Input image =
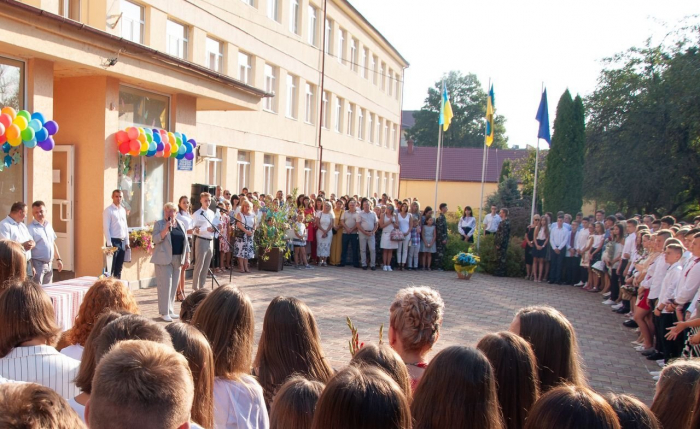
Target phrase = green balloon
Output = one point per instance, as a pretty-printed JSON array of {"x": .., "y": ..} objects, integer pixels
[
  {"x": 27, "y": 134},
  {"x": 25, "y": 114}
]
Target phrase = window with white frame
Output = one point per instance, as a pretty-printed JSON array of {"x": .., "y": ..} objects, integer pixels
[
  {"x": 359, "y": 180},
  {"x": 310, "y": 104},
  {"x": 292, "y": 94},
  {"x": 370, "y": 128},
  {"x": 350, "y": 120},
  {"x": 213, "y": 167},
  {"x": 268, "y": 169},
  {"x": 360, "y": 124},
  {"x": 329, "y": 37},
  {"x": 379, "y": 131},
  {"x": 373, "y": 68},
  {"x": 307, "y": 177},
  {"x": 325, "y": 114},
  {"x": 294, "y": 16},
  {"x": 336, "y": 181},
  {"x": 12, "y": 94},
  {"x": 69, "y": 9},
  {"x": 273, "y": 9},
  {"x": 177, "y": 35},
  {"x": 313, "y": 26},
  {"x": 394, "y": 131},
  {"x": 341, "y": 45},
  {"x": 215, "y": 54},
  {"x": 348, "y": 181},
  {"x": 133, "y": 21},
  {"x": 388, "y": 191},
  {"x": 338, "y": 114},
  {"x": 391, "y": 83},
  {"x": 143, "y": 180},
  {"x": 245, "y": 68},
  {"x": 324, "y": 168},
  {"x": 353, "y": 53},
  {"x": 382, "y": 67},
  {"x": 270, "y": 86},
  {"x": 386, "y": 133},
  {"x": 289, "y": 182},
  {"x": 363, "y": 63},
  {"x": 243, "y": 164}
]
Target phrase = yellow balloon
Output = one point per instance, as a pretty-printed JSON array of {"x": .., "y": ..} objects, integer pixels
[
  {"x": 144, "y": 147},
  {"x": 15, "y": 142},
  {"x": 142, "y": 138},
  {"x": 21, "y": 122},
  {"x": 10, "y": 111}
]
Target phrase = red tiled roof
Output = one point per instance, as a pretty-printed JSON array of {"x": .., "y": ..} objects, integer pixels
[{"x": 458, "y": 164}]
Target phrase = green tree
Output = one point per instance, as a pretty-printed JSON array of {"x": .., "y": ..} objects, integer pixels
[
  {"x": 508, "y": 195},
  {"x": 505, "y": 171},
  {"x": 468, "y": 100},
  {"x": 555, "y": 186},
  {"x": 524, "y": 171}
]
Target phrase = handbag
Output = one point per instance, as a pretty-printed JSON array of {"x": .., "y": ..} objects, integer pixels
[
  {"x": 524, "y": 243},
  {"x": 240, "y": 233},
  {"x": 396, "y": 235}
]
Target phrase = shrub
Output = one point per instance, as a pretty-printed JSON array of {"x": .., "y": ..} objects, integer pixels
[{"x": 515, "y": 262}]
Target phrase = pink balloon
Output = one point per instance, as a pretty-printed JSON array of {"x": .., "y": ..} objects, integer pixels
[
  {"x": 133, "y": 133},
  {"x": 122, "y": 137}
]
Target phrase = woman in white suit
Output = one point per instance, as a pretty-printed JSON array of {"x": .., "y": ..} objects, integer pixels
[{"x": 171, "y": 251}]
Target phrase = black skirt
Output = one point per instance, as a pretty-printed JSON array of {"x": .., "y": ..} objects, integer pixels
[{"x": 539, "y": 253}]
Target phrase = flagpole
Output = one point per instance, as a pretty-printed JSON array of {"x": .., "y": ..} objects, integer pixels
[
  {"x": 537, "y": 161},
  {"x": 483, "y": 172},
  {"x": 439, "y": 145}
]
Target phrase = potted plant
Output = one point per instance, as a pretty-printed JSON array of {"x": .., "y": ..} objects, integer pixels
[
  {"x": 465, "y": 264},
  {"x": 270, "y": 237}
]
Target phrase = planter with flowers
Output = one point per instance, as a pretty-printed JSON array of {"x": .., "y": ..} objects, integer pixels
[
  {"x": 270, "y": 238},
  {"x": 465, "y": 264}
]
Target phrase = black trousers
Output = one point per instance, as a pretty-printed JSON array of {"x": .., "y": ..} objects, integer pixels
[
  {"x": 556, "y": 266},
  {"x": 573, "y": 273},
  {"x": 671, "y": 348},
  {"x": 118, "y": 258}
]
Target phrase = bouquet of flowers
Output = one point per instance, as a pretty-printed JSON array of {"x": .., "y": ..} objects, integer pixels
[
  {"x": 354, "y": 344},
  {"x": 466, "y": 263},
  {"x": 142, "y": 238}
]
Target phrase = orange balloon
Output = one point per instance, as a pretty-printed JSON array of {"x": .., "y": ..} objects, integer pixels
[
  {"x": 13, "y": 132},
  {"x": 10, "y": 111}
]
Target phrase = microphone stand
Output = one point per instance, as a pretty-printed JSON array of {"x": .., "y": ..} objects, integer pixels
[
  {"x": 211, "y": 273},
  {"x": 221, "y": 237}
]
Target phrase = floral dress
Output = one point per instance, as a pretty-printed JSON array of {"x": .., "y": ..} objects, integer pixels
[
  {"x": 324, "y": 244},
  {"x": 244, "y": 247},
  {"x": 224, "y": 233}
]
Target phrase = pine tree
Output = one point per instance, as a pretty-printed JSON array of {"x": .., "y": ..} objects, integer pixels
[
  {"x": 505, "y": 171},
  {"x": 555, "y": 185},
  {"x": 575, "y": 159}
]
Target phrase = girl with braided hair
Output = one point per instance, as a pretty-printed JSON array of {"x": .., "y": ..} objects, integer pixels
[{"x": 414, "y": 327}]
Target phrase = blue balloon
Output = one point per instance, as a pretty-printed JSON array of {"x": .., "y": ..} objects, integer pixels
[
  {"x": 180, "y": 156},
  {"x": 39, "y": 116},
  {"x": 160, "y": 147},
  {"x": 150, "y": 153},
  {"x": 31, "y": 143},
  {"x": 156, "y": 137},
  {"x": 8, "y": 160},
  {"x": 188, "y": 147},
  {"x": 41, "y": 135},
  {"x": 192, "y": 142},
  {"x": 6, "y": 148},
  {"x": 184, "y": 137}
]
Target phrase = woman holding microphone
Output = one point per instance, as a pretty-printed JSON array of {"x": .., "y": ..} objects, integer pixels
[{"x": 171, "y": 251}]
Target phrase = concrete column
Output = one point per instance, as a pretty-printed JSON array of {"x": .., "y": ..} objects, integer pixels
[
  {"x": 184, "y": 117},
  {"x": 231, "y": 60},
  {"x": 229, "y": 170},
  {"x": 155, "y": 36},
  {"x": 343, "y": 180},
  {"x": 256, "y": 175},
  {"x": 304, "y": 21},
  {"x": 279, "y": 179},
  {"x": 330, "y": 179},
  {"x": 196, "y": 46},
  {"x": 298, "y": 164},
  {"x": 259, "y": 74},
  {"x": 39, "y": 163}
]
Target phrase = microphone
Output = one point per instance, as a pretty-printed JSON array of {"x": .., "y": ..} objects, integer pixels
[
  {"x": 221, "y": 208},
  {"x": 170, "y": 224}
]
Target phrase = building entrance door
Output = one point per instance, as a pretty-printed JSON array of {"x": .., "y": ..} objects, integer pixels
[{"x": 62, "y": 205}]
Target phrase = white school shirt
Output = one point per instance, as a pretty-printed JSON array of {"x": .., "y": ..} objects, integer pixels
[
  {"x": 669, "y": 286},
  {"x": 690, "y": 280},
  {"x": 15, "y": 231},
  {"x": 655, "y": 276},
  {"x": 202, "y": 223},
  {"x": 569, "y": 247},
  {"x": 44, "y": 236},
  {"x": 239, "y": 404},
  {"x": 582, "y": 239},
  {"x": 114, "y": 223},
  {"x": 186, "y": 220},
  {"x": 630, "y": 246},
  {"x": 558, "y": 237},
  {"x": 469, "y": 222},
  {"x": 42, "y": 365},
  {"x": 491, "y": 222}
]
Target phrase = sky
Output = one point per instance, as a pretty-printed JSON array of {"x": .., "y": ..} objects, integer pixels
[{"x": 519, "y": 45}]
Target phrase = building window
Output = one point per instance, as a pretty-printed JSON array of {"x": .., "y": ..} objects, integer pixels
[
  {"x": 341, "y": 45},
  {"x": 353, "y": 54},
  {"x": 379, "y": 131},
  {"x": 370, "y": 128},
  {"x": 70, "y": 9},
  {"x": 292, "y": 94},
  {"x": 338, "y": 114},
  {"x": 363, "y": 63},
  {"x": 324, "y": 112},
  {"x": 382, "y": 67},
  {"x": 143, "y": 180},
  {"x": 348, "y": 181},
  {"x": 12, "y": 95},
  {"x": 289, "y": 182},
  {"x": 133, "y": 22},
  {"x": 213, "y": 167},
  {"x": 310, "y": 104},
  {"x": 243, "y": 169},
  {"x": 215, "y": 54},
  {"x": 329, "y": 37},
  {"x": 268, "y": 168},
  {"x": 273, "y": 9},
  {"x": 386, "y": 133},
  {"x": 373, "y": 68},
  {"x": 391, "y": 84},
  {"x": 245, "y": 68},
  {"x": 177, "y": 39},
  {"x": 307, "y": 177},
  {"x": 393, "y": 136},
  {"x": 350, "y": 120},
  {"x": 270, "y": 86},
  {"x": 336, "y": 181},
  {"x": 361, "y": 123},
  {"x": 313, "y": 26},
  {"x": 294, "y": 16}
]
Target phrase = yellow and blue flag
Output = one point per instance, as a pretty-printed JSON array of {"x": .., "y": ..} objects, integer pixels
[
  {"x": 490, "y": 103},
  {"x": 445, "y": 109}
]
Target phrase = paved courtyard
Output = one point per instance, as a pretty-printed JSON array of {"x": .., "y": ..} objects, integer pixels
[{"x": 473, "y": 308}]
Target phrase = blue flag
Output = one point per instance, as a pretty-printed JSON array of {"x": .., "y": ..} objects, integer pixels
[{"x": 543, "y": 119}]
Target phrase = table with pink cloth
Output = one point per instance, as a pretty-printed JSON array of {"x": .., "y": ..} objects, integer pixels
[{"x": 66, "y": 297}]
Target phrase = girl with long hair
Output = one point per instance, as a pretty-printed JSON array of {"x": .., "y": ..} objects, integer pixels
[
  {"x": 572, "y": 407},
  {"x": 384, "y": 357},
  {"x": 184, "y": 215},
  {"x": 540, "y": 250},
  {"x": 13, "y": 262},
  {"x": 295, "y": 404},
  {"x": 596, "y": 248},
  {"x": 467, "y": 225},
  {"x": 676, "y": 394}
]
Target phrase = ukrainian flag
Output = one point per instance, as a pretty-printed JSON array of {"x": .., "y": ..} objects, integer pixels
[
  {"x": 445, "y": 109},
  {"x": 490, "y": 102}
]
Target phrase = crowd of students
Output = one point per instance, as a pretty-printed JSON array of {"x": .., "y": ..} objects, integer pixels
[
  {"x": 117, "y": 369},
  {"x": 645, "y": 268}
]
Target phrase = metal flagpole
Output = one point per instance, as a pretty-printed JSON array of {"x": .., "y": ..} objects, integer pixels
[
  {"x": 483, "y": 172},
  {"x": 437, "y": 162},
  {"x": 537, "y": 161}
]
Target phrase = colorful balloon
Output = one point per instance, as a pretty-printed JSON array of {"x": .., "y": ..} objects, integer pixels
[
  {"x": 142, "y": 138},
  {"x": 122, "y": 137},
  {"x": 31, "y": 144},
  {"x": 181, "y": 150},
  {"x": 144, "y": 147},
  {"x": 189, "y": 156},
  {"x": 25, "y": 115},
  {"x": 3, "y": 139},
  {"x": 135, "y": 146},
  {"x": 41, "y": 135},
  {"x": 51, "y": 127},
  {"x": 2, "y": 129},
  {"x": 13, "y": 132},
  {"x": 156, "y": 138},
  {"x": 27, "y": 134},
  {"x": 15, "y": 142},
  {"x": 8, "y": 160},
  {"x": 39, "y": 117},
  {"x": 192, "y": 142},
  {"x": 160, "y": 147},
  {"x": 5, "y": 119},
  {"x": 124, "y": 148},
  {"x": 9, "y": 111},
  {"x": 48, "y": 144},
  {"x": 21, "y": 122},
  {"x": 35, "y": 124}
]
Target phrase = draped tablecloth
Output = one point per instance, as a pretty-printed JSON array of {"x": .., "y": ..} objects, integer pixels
[{"x": 66, "y": 297}]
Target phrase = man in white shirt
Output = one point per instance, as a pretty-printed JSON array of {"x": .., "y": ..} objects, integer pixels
[
  {"x": 350, "y": 235},
  {"x": 667, "y": 302},
  {"x": 46, "y": 249},
  {"x": 13, "y": 228},
  {"x": 203, "y": 237},
  {"x": 116, "y": 231},
  {"x": 581, "y": 243},
  {"x": 491, "y": 221},
  {"x": 629, "y": 247},
  {"x": 367, "y": 223},
  {"x": 558, "y": 239}
]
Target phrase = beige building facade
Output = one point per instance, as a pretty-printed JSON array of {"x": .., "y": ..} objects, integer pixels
[{"x": 242, "y": 78}]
